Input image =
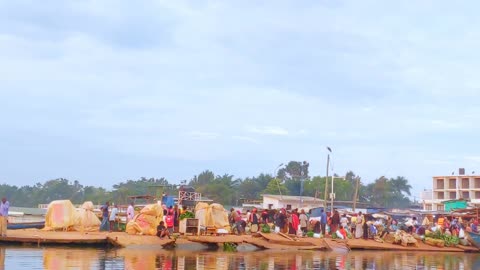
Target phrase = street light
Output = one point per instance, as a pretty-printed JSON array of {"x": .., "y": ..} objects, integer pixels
[{"x": 275, "y": 177}]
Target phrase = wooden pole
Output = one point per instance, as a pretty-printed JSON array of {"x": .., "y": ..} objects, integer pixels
[{"x": 356, "y": 193}]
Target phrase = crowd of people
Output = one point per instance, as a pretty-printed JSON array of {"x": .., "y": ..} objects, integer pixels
[
  {"x": 286, "y": 222},
  {"x": 299, "y": 222},
  {"x": 351, "y": 225}
]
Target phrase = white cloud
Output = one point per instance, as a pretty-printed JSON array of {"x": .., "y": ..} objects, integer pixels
[
  {"x": 268, "y": 130},
  {"x": 245, "y": 139},
  {"x": 202, "y": 135}
]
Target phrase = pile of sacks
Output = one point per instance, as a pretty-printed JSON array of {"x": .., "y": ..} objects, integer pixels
[
  {"x": 403, "y": 238},
  {"x": 146, "y": 221},
  {"x": 213, "y": 215},
  {"x": 62, "y": 215}
]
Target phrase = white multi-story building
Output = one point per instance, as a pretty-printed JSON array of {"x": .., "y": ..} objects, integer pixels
[{"x": 452, "y": 187}]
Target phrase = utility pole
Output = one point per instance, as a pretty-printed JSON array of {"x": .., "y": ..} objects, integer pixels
[
  {"x": 357, "y": 179},
  {"x": 326, "y": 180},
  {"x": 276, "y": 180},
  {"x": 332, "y": 196}
]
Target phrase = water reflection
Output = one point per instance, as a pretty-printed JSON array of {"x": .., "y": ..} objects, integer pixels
[
  {"x": 148, "y": 258},
  {"x": 298, "y": 260}
]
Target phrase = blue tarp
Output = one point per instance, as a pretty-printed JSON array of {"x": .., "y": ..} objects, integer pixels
[{"x": 168, "y": 201}]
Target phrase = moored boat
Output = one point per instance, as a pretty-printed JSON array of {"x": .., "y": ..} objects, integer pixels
[
  {"x": 26, "y": 225},
  {"x": 474, "y": 238}
]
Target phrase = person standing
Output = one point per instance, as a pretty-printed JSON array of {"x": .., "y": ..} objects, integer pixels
[
  {"x": 169, "y": 220},
  {"x": 359, "y": 226},
  {"x": 303, "y": 221},
  {"x": 265, "y": 216},
  {"x": 113, "y": 217},
  {"x": 323, "y": 222},
  {"x": 295, "y": 222},
  {"x": 104, "y": 226},
  {"x": 353, "y": 223},
  {"x": 4, "y": 206},
  {"x": 130, "y": 212},
  {"x": 344, "y": 221},
  {"x": 254, "y": 221},
  {"x": 176, "y": 218},
  {"x": 335, "y": 222},
  {"x": 280, "y": 221}
]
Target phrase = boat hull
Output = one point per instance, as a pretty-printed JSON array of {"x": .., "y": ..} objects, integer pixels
[
  {"x": 474, "y": 238},
  {"x": 26, "y": 225}
]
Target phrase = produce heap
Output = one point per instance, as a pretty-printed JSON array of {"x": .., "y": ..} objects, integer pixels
[{"x": 439, "y": 239}]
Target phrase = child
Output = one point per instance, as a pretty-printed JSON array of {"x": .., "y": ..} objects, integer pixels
[
  {"x": 162, "y": 230},
  {"x": 170, "y": 222}
]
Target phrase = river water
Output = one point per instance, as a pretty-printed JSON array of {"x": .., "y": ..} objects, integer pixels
[{"x": 15, "y": 257}]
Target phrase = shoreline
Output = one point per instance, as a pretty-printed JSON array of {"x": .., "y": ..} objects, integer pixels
[{"x": 261, "y": 241}]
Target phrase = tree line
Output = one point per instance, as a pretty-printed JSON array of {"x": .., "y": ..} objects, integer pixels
[{"x": 292, "y": 179}]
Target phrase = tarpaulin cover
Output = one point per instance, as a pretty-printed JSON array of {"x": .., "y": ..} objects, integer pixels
[
  {"x": 213, "y": 215},
  {"x": 146, "y": 221},
  {"x": 85, "y": 219},
  {"x": 61, "y": 214}
]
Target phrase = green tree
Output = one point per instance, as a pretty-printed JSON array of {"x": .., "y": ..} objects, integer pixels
[
  {"x": 204, "y": 178},
  {"x": 274, "y": 187},
  {"x": 294, "y": 175}
]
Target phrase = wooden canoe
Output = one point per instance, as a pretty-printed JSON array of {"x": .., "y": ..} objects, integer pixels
[{"x": 474, "y": 238}]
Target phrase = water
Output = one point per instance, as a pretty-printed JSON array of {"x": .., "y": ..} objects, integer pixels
[{"x": 90, "y": 258}]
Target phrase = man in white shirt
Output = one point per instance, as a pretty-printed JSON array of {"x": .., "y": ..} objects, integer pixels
[
  {"x": 130, "y": 212},
  {"x": 113, "y": 217}
]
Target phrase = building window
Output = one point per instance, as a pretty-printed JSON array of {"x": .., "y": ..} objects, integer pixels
[
  {"x": 440, "y": 196},
  {"x": 452, "y": 183},
  {"x": 466, "y": 195},
  {"x": 428, "y": 207},
  {"x": 477, "y": 194},
  {"x": 477, "y": 183},
  {"x": 453, "y": 195},
  {"x": 270, "y": 206},
  {"x": 440, "y": 207},
  {"x": 465, "y": 183},
  {"x": 289, "y": 207},
  {"x": 440, "y": 184}
]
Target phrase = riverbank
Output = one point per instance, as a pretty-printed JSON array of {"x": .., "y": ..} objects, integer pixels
[{"x": 269, "y": 241}]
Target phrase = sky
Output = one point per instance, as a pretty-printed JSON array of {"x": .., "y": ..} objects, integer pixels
[{"x": 105, "y": 91}]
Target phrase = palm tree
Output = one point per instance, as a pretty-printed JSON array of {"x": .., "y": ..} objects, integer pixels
[{"x": 400, "y": 184}]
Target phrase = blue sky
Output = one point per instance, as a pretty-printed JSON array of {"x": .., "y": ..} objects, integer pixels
[{"x": 103, "y": 91}]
